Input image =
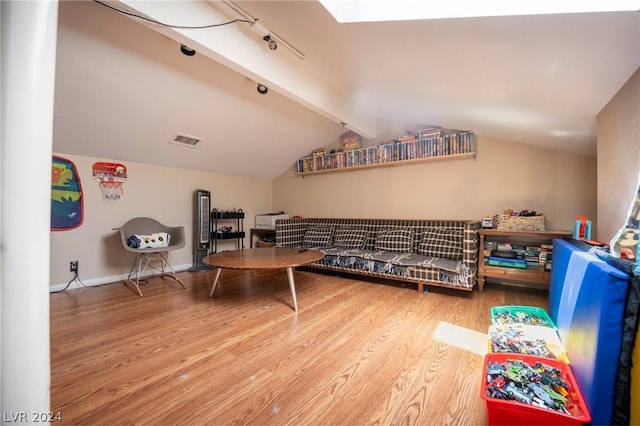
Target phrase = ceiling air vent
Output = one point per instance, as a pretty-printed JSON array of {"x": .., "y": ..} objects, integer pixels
[{"x": 185, "y": 140}]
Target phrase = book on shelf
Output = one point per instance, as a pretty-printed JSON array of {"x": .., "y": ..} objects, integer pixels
[
  {"x": 490, "y": 245},
  {"x": 532, "y": 252},
  {"x": 504, "y": 246},
  {"x": 507, "y": 262}
]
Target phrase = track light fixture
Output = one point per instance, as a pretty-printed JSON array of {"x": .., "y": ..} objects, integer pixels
[
  {"x": 273, "y": 45},
  {"x": 187, "y": 50},
  {"x": 262, "y": 89},
  {"x": 273, "y": 40}
]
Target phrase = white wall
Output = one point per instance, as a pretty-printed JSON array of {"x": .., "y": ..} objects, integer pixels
[
  {"x": 505, "y": 175},
  {"x": 166, "y": 194}
]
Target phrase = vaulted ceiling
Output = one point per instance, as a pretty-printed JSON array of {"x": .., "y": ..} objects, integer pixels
[{"x": 124, "y": 89}]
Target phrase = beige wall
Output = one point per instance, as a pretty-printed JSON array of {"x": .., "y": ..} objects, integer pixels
[
  {"x": 163, "y": 193},
  {"x": 618, "y": 157},
  {"x": 504, "y": 175}
]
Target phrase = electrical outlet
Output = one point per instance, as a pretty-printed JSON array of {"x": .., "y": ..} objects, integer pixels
[{"x": 73, "y": 266}]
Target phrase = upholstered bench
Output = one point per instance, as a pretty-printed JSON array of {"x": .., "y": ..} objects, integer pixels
[{"x": 440, "y": 253}]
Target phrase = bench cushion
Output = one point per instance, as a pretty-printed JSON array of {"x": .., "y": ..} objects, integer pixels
[
  {"x": 350, "y": 237},
  {"x": 321, "y": 236},
  {"x": 395, "y": 240},
  {"x": 440, "y": 242}
]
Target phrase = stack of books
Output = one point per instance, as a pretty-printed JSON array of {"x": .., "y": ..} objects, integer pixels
[
  {"x": 509, "y": 262},
  {"x": 545, "y": 256},
  {"x": 505, "y": 254},
  {"x": 518, "y": 256},
  {"x": 532, "y": 255},
  {"x": 489, "y": 246}
]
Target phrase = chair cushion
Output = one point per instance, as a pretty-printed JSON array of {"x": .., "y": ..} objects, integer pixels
[
  {"x": 395, "y": 240},
  {"x": 350, "y": 237},
  {"x": 155, "y": 240},
  {"x": 440, "y": 242},
  {"x": 321, "y": 236}
]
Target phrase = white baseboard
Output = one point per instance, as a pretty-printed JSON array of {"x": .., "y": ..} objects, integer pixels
[{"x": 106, "y": 280}]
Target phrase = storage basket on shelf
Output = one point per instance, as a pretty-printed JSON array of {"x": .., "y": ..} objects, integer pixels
[
  {"x": 264, "y": 244},
  {"x": 505, "y": 222}
]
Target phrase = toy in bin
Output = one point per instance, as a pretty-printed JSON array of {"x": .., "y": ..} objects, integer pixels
[
  {"x": 525, "y": 389},
  {"x": 516, "y": 314},
  {"x": 527, "y": 339}
]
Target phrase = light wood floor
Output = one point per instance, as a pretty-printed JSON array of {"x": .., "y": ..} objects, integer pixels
[{"x": 357, "y": 352}]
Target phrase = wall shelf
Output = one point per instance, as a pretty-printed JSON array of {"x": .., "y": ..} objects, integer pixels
[
  {"x": 415, "y": 149},
  {"x": 388, "y": 164}
]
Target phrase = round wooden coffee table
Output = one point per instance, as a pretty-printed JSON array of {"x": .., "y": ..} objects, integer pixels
[{"x": 263, "y": 258}]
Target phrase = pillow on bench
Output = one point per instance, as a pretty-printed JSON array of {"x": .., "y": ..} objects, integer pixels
[
  {"x": 395, "y": 240},
  {"x": 445, "y": 243},
  {"x": 350, "y": 238},
  {"x": 321, "y": 236}
]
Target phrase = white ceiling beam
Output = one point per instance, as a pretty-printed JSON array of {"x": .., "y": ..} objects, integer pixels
[{"x": 239, "y": 47}]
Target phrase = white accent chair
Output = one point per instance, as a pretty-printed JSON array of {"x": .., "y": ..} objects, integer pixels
[{"x": 156, "y": 258}]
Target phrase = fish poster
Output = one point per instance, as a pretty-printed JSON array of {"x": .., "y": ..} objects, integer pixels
[{"x": 66, "y": 195}]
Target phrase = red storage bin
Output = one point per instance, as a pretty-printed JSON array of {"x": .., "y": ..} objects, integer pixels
[{"x": 511, "y": 412}]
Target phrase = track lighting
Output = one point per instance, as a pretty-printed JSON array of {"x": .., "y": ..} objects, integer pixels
[
  {"x": 187, "y": 50},
  {"x": 262, "y": 89},
  {"x": 273, "y": 40},
  {"x": 273, "y": 45}
]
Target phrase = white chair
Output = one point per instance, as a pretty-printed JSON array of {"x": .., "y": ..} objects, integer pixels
[{"x": 145, "y": 256}]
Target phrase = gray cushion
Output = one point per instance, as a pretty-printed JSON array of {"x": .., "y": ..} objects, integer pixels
[
  {"x": 395, "y": 240},
  {"x": 321, "y": 236},
  {"x": 439, "y": 242},
  {"x": 350, "y": 238}
]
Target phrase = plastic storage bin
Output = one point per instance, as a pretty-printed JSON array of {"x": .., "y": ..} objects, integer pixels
[
  {"x": 528, "y": 340},
  {"x": 512, "y": 412},
  {"x": 515, "y": 314}
]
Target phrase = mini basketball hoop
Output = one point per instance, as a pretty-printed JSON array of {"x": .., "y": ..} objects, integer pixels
[
  {"x": 110, "y": 177},
  {"x": 111, "y": 189}
]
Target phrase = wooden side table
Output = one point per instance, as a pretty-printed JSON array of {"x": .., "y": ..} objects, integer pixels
[
  {"x": 260, "y": 233},
  {"x": 533, "y": 275}
]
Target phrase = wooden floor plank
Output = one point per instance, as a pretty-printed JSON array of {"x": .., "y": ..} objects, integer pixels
[{"x": 357, "y": 352}]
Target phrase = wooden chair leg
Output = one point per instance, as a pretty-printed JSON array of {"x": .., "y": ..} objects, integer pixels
[{"x": 133, "y": 286}]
